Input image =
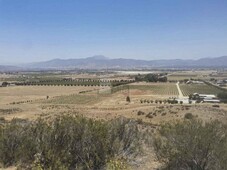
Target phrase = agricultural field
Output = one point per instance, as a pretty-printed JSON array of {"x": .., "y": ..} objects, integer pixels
[
  {"x": 198, "y": 74},
  {"x": 168, "y": 89},
  {"x": 103, "y": 102},
  {"x": 79, "y": 99},
  {"x": 106, "y": 103},
  {"x": 179, "y": 77},
  {"x": 24, "y": 93},
  {"x": 219, "y": 75},
  {"x": 165, "y": 89},
  {"x": 188, "y": 89}
]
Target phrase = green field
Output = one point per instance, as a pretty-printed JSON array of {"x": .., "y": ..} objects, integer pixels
[
  {"x": 188, "y": 89},
  {"x": 156, "y": 89},
  {"x": 75, "y": 99}
]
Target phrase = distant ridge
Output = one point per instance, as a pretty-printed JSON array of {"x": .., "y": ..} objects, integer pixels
[
  {"x": 4, "y": 68},
  {"x": 102, "y": 62}
]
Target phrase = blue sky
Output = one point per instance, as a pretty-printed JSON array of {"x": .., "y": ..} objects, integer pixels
[{"x": 37, "y": 30}]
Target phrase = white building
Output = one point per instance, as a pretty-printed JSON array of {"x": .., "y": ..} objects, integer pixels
[
  {"x": 211, "y": 101},
  {"x": 194, "y": 82},
  {"x": 207, "y": 98}
]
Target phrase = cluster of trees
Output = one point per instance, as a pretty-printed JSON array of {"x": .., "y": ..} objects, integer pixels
[
  {"x": 5, "y": 84},
  {"x": 64, "y": 82},
  {"x": 169, "y": 101},
  {"x": 151, "y": 78},
  {"x": 67, "y": 142}
]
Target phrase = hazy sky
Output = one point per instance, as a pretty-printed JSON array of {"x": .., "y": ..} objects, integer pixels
[{"x": 37, "y": 30}]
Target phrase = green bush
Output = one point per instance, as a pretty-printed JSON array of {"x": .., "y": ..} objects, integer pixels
[
  {"x": 188, "y": 116},
  {"x": 140, "y": 113},
  {"x": 192, "y": 145},
  {"x": 67, "y": 142},
  {"x": 149, "y": 115}
]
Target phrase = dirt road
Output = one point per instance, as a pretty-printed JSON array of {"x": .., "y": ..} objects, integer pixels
[{"x": 179, "y": 91}]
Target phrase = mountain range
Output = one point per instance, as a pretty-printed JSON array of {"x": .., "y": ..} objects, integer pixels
[{"x": 102, "y": 62}]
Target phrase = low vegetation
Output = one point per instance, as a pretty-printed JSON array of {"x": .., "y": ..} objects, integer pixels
[
  {"x": 192, "y": 145},
  {"x": 105, "y": 141},
  {"x": 188, "y": 116},
  {"x": 67, "y": 142}
]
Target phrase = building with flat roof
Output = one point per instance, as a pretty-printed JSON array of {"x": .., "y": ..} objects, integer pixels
[{"x": 207, "y": 98}]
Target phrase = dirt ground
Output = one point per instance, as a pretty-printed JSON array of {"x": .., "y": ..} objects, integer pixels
[
  {"x": 30, "y": 102},
  {"x": 67, "y": 100},
  {"x": 20, "y": 93}
]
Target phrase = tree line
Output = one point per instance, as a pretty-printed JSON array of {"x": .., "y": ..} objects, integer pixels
[{"x": 152, "y": 77}]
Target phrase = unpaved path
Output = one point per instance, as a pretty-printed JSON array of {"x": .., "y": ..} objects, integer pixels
[{"x": 179, "y": 91}]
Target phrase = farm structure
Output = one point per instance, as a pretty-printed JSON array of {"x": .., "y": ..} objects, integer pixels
[
  {"x": 207, "y": 98},
  {"x": 194, "y": 82}
]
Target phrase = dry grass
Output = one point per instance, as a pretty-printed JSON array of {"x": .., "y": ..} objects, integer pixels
[
  {"x": 24, "y": 93},
  {"x": 64, "y": 100},
  {"x": 106, "y": 106}
]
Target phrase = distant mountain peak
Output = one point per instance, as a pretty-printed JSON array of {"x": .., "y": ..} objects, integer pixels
[{"x": 98, "y": 57}]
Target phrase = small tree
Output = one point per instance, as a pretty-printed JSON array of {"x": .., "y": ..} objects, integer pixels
[{"x": 128, "y": 99}]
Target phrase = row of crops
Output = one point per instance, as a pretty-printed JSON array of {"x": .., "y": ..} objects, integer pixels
[
  {"x": 74, "y": 99},
  {"x": 188, "y": 89},
  {"x": 120, "y": 88},
  {"x": 159, "y": 89},
  {"x": 156, "y": 89},
  {"x": 73, "y": 83}
]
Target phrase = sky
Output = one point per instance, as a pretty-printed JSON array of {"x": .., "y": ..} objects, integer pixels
[{"x": 39, "y": 30}]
